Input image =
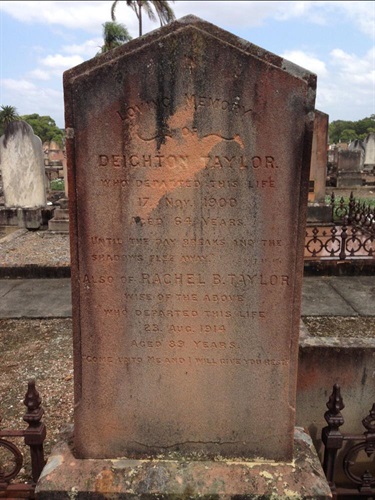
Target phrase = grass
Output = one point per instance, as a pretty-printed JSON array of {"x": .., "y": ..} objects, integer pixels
[
  {"x": 367, "y": 201},
  {"x": 57, "y": 185}
]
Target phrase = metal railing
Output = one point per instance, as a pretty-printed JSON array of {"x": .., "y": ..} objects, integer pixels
[
  {"x": 34, "y": 436},
  {"x": 349, "y": 236},
  {"x": 361, "y": 482},
  {"x": 359, "y": 214}
]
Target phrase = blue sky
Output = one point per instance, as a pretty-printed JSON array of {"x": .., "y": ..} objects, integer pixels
[{"x": 40, "y": 40}]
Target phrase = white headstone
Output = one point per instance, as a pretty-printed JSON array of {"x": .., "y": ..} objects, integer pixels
[
  {"x": 370, "y": 152},
  {"x": 22, "y": 165}
]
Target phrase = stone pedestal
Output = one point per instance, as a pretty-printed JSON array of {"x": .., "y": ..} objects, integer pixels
[
  {"x": 66, "y": 477},
  {"x": 30, "y": 218},
  {"x": 317, "y": 212},
  {"x": 60, "y": 221}
]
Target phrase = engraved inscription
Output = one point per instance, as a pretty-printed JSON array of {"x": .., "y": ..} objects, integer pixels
[
  {"x": 193, "y": 279},
  {"x": 200, "y": 308},
  {"x": 185, "y": 162},
  {"x": 215, "y": 279},
  {"x": 179, "y": 360},
  {"x": 198, "y": 102}
]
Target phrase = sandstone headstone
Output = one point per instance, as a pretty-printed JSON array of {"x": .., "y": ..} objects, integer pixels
[
  {"x": 349, "y": 161},
  {"x": 349, "y": 168},
  {"x": 358, "y": 145},
  {"x": 188, "y": 157},
  {"x": 318, "y": 168},
  {"x": 21, "y": 157},
  {"x": 65, "y": 175}
]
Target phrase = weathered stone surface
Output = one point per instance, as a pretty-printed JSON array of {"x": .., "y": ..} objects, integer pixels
[
  {"x": 369, "y": 142},
  {"x": 349, "y": 161},
  {"x": 188, "y": 156},
  {"x": 31, "y": 218},
  {"x": 22, "y": 165},
  {"x": 65, "y": 476},
  {"x": 318, "y": 168}
]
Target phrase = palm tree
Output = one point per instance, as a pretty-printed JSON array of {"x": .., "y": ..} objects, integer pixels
[
  {"x": 114, "y": 34},
  {"x": 162, "y": 8},
  {"x": 8, "y": 114}
]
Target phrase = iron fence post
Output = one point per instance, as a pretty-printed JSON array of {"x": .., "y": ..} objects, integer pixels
[
  {"x": 35, "y": 434},
  {"x": 331, "y": 435},
  {"x": 344, "y": 236}
]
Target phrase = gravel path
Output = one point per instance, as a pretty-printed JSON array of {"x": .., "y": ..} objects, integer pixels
[
  {"x": 42, "y": 350},
  {"x": 42, "y": 248}
]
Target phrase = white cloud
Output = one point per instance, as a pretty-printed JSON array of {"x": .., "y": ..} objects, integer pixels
[
  {"x": 360, "y": 13},
  {"x": 54, "y": 65},
  {"x": 86, "y": 49},
  {"x": 89, "y": 15},
  {"x": 39, "y": 74},
  {"x": 18, "y": 85},
  {"x": 30, "y": 98},
  {"x": 229, "y": 13},
  {"x": 307, "y": 61},
  {"x": 60, "y": 62},
  {"x": 284, "y": 11},
  {"x": 350, "y": 88},
  {"x": 86, "y": 16},
  {"x": 351, "y": 67},
  {"x": 346, "y": 82}
]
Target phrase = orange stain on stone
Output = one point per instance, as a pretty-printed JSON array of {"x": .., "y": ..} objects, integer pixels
[
  {"x": 105, "y": 482},
  {"x": 184, "y": 145}
]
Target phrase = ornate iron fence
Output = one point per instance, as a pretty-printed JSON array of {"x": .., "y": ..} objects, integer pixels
[
  {"x": 360, "y": 479},
  {"x": 34, "y": 437},
  {"x": 338, "y": 242},
  {"x": 350, "y": 235},
  {"x": 360, "y": 215}
]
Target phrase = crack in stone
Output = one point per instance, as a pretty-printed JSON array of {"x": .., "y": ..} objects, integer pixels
[{"x": 187, "y": 442}]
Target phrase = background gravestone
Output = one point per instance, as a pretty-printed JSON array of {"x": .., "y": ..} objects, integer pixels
[
  {"x": 369, "y": 162},
  {"x": 188, "y": 155},
  {"x": 318, "y": 168},
  {"x": 22, "y": 165},
  {"x": 349, "y": 168}
]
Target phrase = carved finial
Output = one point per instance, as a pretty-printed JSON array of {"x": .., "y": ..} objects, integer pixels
[
  {"x": 369, "y": 421},
  {"x": 367, "y": 480},
  {"x": 335, "y": 404},
  {"x": 32, "y": 401},
  {"x": 369, "y": 424}
]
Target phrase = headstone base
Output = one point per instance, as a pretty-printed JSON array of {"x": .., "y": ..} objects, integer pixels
[
  {"x": 60, "y": 221},
  {"x": 65, "y": 476},
  {"x": 349, "y": 179},
  {"x": 319, "y": 213},
  {"x": 30, "y": 218}
]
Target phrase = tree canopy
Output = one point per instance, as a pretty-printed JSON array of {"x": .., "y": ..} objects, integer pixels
[
  {"x": 347, "y": 131},
  {"x": 162, "y": 8},
  {"x": 45, "y": 127},
  {"x": 114, "y": 34},
  {"x": 8, "y": 114}
]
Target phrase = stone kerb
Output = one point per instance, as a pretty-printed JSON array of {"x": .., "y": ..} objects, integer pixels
[{"x": 188, "y": 157}]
